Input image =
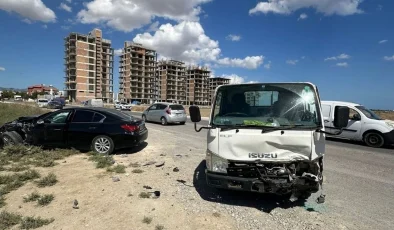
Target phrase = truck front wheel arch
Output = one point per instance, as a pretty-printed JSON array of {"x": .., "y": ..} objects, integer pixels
[{"x": 373, "y": 138}]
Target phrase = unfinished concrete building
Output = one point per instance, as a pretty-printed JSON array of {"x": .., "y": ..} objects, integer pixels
[
  {"x": 215, "y": 82},
  {"x": 197, "y": 85},
  {"x": 172, "y": 81},
  {"x": 88, "y": 67},
  {"x": 137, "y": 74}
]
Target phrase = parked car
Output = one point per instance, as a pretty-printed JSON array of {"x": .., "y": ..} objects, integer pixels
[
  {"x": 54, "y": 105},
  {"x": 364, "y": 125},
  {"x": 165, "y": 113},
  {"x": 98, "y": 129},
  {"x": 42, "y": 102},
  {"x": 125, "y": 106},
  {"x": 94, "y": 103}
]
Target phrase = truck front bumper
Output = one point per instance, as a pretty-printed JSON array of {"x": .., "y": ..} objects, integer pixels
[{"x": 279, "y": 185}]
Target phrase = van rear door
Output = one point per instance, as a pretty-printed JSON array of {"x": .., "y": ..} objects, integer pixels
[{"x": 177, "y": 110}]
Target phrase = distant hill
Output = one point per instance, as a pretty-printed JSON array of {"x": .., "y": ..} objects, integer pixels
[{"x": 12, "y": 89}]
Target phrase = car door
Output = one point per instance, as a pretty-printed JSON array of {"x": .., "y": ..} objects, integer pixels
[
  {"x": 54, "y": 128},
  {"x": 83, "y": 127},
  {"x": 326, "y": 112},
  {"x": 150, "y": 112},
  {"x": 353, "y": 128}
]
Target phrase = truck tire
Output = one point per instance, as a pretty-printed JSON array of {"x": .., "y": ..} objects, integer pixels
[
  {"x": 103, "y": 145},
  {"x": 11, "y": 138}
]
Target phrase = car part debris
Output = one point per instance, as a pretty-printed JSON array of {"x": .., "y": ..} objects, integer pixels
[
  {"x": 176, "y": 169},
  {"x": 115, "y": 179},
  {"x": 160, "y": 164},
  {"x": 75, "y": 205},
  {"x": 147, "y": 187},
  {"x": 150, "y": 163},
  {"x": 156, "y": 193}
]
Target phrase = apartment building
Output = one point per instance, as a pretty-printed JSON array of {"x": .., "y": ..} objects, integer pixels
[
  {"x": 215, "y": 82},
  {"x": 172, "y": 81},
  {"x": 88, "y": 67},
  {"x": 197, "y": 85},
  {"x": 137, "y": 74}
]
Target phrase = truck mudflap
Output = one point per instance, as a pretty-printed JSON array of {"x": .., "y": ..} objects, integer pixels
[{"x": 284, "y": 180}]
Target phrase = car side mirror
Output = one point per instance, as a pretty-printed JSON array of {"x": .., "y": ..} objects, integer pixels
[
  {"x": 341, "y": 117},
  {"x": 40, "y": 122},
  {"x": 195, "y": 115}
]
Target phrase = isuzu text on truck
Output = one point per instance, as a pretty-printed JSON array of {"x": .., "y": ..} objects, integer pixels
[{"x": 267, "y": 138}]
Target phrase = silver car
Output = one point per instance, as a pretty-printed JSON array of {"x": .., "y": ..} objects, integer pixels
[{"x": 165, "y": 113}]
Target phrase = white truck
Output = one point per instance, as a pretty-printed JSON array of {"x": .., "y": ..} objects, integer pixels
[{"x": 267, "y": 138}]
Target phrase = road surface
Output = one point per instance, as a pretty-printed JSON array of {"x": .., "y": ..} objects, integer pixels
[{"x": 359, "y": 180}]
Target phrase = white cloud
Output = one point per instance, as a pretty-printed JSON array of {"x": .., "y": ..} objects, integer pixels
[
  {"x": 387, "y": 58},
  {"x": 127, "y": 15},
  {"x": 65, "y": 27},
  {"x": 118, "y": 52},
  {"x": 342, "y": 64},
  {"x": 27, "y": 21},
  {"x": 341, "y": 56},
  {"x": 292, "y": 62},
  {"x": 234, "y": 78},
  {"x": 69, "y": 1},
  {"x": 303, "y": 57},
  {"x": 268, "y": 65},
  {"x": 302, "y": 17},
  {"x": 65, "y": 7},
  {"x": 233, "y": 37},
  {"x": 153, "y": 27},
  {"x": 2, "y": 68},
  {"x": 379, "y": 7},
  {"x": 326, "y": 7},
  {"x": 188, "y": 42},
  {"x": 34, "y": 10},
  {"x": 383, "y": 41}
]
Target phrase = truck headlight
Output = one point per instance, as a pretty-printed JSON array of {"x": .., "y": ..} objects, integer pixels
[{"x": 219, "y": 164}]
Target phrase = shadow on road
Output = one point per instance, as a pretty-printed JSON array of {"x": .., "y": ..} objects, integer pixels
[
  {"x": 131, "y": 150},
  {"x": 262, "y": 202}
]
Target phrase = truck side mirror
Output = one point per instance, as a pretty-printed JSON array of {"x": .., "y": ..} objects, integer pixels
[
  {"x": 341, "y": 116},
  {"x": 195, "y": 114}
]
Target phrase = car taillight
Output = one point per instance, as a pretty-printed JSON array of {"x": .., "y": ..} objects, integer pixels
[
  {"x": 130, "y": 128},
  {"x": 168, "y": 111}
]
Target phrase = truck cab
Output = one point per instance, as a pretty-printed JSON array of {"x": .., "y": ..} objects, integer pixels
[
  {"x": 267, "y": 138},
  {"x": 364, "y": 125}
]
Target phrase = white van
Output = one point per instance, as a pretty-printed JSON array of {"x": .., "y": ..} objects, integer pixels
[
  {"x": 42, "y": 102},
  {"x": 364, "y": 125},
  {"x": 94, "y": 103}
]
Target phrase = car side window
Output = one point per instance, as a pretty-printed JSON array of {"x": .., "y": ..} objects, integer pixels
[
  {"x": 161, "y": 107},
  {"x": 354, "y": 115},
  {"x": 83, "y": 116},
  {"x": 58, "y": 118},
  {"x": 153, "y": 107},
  {"x": 98, "y": 117}
]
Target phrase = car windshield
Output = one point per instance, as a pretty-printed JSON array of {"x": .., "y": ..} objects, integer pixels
[
  {"x": 368, "y": 113},
  {"x": 268, "y": 105}
]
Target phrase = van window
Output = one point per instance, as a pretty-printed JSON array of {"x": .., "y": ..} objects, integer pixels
[
  {"x": 369, "y": 113},
  {"x": 326, "y": 110},
  {"x": 352, "y": 112}
]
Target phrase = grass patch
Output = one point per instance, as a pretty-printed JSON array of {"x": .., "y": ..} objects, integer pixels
[
  {"x": 47, "y": 181},
  {"x": 117, "y": 169},
  {"x": 159, "y": 227},
  {"x": 45, "y": 199},
  {"x": 9, "y": 112},
  {"x": 134, "y": 165},
  {"x": 34, "y": 196},
  {"x": 17, "y": 180},
  {"x": 147, "y": 220},
  {"x": 34, "y": 222},
  {"x": 2, "y": 202},
  {"x": 144, "y": 195},
  {"x": 137, "y": 171},
  {"x": 101, "y": 161},
  {"x": 18, "y": 168},
  {"x": 7, "y": 219}
]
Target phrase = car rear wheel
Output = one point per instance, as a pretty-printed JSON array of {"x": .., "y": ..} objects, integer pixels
[
  {"x": 103, "y": 145},
  {"x": 374, "y": 139},
  {"x": 144, "y": 118},
  {"x": 12, "y": 138},
  {"x": 163, "y": 121}
]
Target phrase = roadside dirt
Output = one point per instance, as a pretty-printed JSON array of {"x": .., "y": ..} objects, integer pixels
[{"x": 185, "y": 202}]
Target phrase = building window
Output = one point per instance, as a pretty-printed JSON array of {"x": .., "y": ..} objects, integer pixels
[
  {"x": 91, "y": 47},
  {"x": 91, "y": 54},
  {"x": 91, "y": 87},
  {"x": 91, "y": 81},
  {"x": 91, "y": 67},
  {"x": 91, "y": 74}
]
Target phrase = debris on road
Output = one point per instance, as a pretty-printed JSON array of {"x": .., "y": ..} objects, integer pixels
[
  {"x": 123, "y": 155},
  {"x": 160, "y": 164},
  {"x": 150, "y": 163},
  {"x": 162, "y": 155},
  {"x": 147, "y": 187},
  {"x": 176, "y": 169},
  {"x": 115, "y": 179},
  {"x": 75, "y": 205}
]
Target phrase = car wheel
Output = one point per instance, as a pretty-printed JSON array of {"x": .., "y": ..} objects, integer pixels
[
  {"x": 163, "y": 121},
  {"x": 374, "y": 139},
  {"x": 182, "y": 123},
  {"x": 103, "y": 145},
  {"x": 144, "y": 118},
  {"x": 12, "y": 138}
]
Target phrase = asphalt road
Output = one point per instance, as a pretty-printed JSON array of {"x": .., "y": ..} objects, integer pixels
[{"x": 359, "y": 180}]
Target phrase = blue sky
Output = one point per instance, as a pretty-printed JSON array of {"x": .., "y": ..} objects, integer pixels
[{"x": 345, "y": 47}]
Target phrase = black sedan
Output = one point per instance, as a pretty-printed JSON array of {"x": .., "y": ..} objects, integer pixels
[
  {"x": 98, "y": 129},
  {"x": 54, "y": 105}
]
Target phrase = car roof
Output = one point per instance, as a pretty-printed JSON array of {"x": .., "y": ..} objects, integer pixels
[{"x": 340, "y": 102}]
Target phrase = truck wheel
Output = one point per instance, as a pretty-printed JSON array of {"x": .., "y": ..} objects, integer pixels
[
  {"x": 374, "y": 139},
  {"x": 12, "y": 138},
  {"x": 103, "y": 145}
]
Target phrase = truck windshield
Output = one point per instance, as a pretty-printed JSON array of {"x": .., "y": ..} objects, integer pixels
[
  {"x": 267, "y": 105},
  {"x": 368, "y": 113}
]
